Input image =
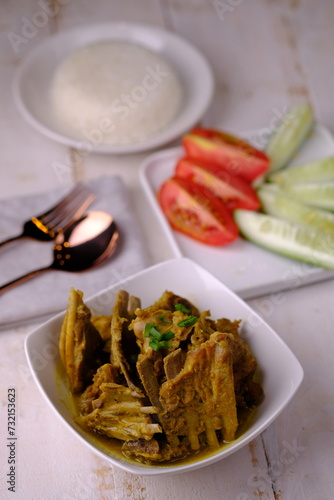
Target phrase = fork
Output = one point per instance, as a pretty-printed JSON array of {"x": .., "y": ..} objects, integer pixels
[{"x": 46, "y": 226}]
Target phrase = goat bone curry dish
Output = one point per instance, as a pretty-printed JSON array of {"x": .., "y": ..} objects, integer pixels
[{"x": 166, "y": 382}]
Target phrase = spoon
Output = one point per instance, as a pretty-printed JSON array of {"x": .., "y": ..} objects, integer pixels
[{"x": 84, "y": 245}]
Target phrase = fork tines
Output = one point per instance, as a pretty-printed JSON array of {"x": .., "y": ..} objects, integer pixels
[{"x": 70, "y": 208}]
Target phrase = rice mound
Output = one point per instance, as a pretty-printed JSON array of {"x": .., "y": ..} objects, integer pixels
[{"x": 115, "y": 93}]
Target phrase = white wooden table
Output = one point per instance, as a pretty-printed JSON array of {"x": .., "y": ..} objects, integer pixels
[{"x": 265, "y": 56}]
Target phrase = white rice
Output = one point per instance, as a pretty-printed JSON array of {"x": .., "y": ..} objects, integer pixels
[{"x": 115, "y": 93}]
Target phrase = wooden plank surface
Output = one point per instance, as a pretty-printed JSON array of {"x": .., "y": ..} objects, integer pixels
[{"x": 265, "y": 56}]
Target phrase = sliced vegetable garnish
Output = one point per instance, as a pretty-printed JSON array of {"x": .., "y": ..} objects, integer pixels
[
  {"x": 291, "y": 134},
  {"x": 279, "y": 204},
  {"x": 234, "y": 154},
  {"x": 316, "y": 171},
  {"x": 156, "y": 345},
  {"x": 168, "y": 335},
  {"x": 231, "y": 189},
  {"x": 147, "y": 330},
  {"x": 287, "y": 238},
  {"x": 317, "y": 194},
  {"x": 154, "y": 332},
  {"x": 157, "y": 339},
  {"x": 163, "y": 320},
  {"x": 182, "y": 308},
  {"x": 190, "y": 321},
  {"x": 192, "y": 210}
]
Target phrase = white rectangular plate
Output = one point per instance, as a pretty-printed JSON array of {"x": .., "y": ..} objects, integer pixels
[{"x": 247, "y": 269}]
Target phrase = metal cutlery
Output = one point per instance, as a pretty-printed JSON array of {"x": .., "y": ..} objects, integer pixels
[
  {"x": 85, "y": 244},
  {"x": 47, "y": 226}
]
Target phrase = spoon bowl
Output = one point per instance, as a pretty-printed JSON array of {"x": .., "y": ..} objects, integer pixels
[{"x": 85, "y": 244}]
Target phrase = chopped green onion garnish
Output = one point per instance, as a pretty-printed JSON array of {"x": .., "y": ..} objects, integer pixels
[
  {"x": 182, "y": 308},
  {"x": 190, "y": 321},
  {"x": 162, "y": 319},
  {"x": 164, "y": 344},
  {"x": 168, "y": 335},
  {"x": 154, "y": 344},
  {"x": 157, "y": 339},
  {"x": 147, "y": 330},
  {"x": 154, "y": 332}
]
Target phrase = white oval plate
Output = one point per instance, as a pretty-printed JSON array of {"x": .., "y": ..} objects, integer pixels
[{"x": 34, "y": 78}]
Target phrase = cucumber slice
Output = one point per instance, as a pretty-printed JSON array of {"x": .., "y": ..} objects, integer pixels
[
  {"x": 275, "y": 202},
  {"x": 316, "y": 171},
  {"x": 290, "y": 135},
  {"x": 286, "y": 238},
  {"x": 316, "y": 194}
]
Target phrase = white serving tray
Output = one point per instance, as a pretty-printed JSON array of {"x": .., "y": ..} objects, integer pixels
[{"x": 245, "y": 268}]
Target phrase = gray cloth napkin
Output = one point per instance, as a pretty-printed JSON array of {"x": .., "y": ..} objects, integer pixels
[{"x": 45, "y": 295}]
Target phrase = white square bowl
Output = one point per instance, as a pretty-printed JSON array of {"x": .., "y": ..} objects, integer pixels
[{"x": 281, "y": 372}]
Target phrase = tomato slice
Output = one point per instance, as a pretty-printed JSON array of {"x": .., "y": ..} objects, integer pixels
[
  {"x": 232, "y": 190},
  {"x": 218, "y": 148},
  {"x": 193, "y": 210}
]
